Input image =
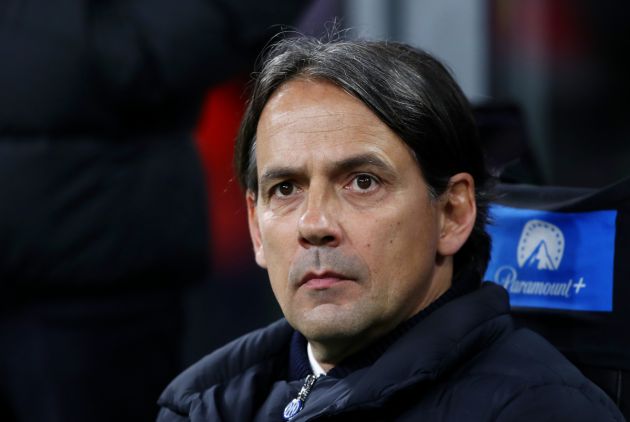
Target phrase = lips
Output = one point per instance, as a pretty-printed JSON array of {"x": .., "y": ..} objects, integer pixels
[{"x": 323, "y": 280}]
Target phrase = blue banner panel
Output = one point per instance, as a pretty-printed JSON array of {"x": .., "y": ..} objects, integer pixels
[{"x": 553, "y": 260}]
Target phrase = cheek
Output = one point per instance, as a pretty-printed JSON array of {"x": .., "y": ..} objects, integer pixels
[
  {"x": 278, "y": 243},
  {"x": 399, "y": 248},
  {"x": 381, "y": 244},
  {"x": 277, "y": 235}
]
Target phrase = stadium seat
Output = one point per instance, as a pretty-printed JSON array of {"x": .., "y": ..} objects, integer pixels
[{"x": 563, "y": 254}]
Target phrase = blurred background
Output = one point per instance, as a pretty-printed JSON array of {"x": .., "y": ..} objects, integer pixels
[{"x": 103, "y": 249}]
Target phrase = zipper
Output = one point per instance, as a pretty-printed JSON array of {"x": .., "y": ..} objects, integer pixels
[{"x": 297, "y": 404}]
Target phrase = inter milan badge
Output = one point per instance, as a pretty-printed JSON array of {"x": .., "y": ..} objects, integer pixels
[
  {"x": 296, "y": 405},
  {"x": 292, "y": 409}
]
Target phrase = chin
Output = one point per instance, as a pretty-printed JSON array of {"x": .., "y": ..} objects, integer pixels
[{"x": 330, "y": 322}]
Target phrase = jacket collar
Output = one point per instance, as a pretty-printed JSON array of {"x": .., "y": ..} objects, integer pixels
[{"x": 446, "y": 339}]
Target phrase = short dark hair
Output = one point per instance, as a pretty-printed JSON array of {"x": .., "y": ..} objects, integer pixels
[{"x": 409, "y": 90}]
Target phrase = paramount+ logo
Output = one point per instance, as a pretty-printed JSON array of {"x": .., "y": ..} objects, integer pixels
[
  {"x": 555, "y": 260},
  {"x": 540, "y": 248}
]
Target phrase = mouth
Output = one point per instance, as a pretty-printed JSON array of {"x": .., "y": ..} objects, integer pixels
[{"x": 322, "y": 280}]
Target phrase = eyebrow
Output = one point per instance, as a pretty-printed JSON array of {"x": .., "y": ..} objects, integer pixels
[
  {"x": 342, "y": 166},
  {"x": 276, "y": 173},
  {"x": 361, "y": 160}
]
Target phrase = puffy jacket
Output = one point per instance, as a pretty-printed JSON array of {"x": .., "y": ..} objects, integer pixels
[{"x": 463, "y": 362}]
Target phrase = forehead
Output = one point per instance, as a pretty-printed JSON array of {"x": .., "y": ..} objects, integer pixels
[{"x": 316, "y": 120}]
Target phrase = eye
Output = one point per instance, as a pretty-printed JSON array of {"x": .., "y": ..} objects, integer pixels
[
  {"x": 363, "y": 183},
  {"x": 283, "y": 189}
]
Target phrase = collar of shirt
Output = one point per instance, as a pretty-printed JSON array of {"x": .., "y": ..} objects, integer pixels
[{"x": 315, "y": 366}]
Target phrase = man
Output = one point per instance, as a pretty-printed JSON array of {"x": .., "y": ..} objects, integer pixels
[{"x": 365, "y": 189}]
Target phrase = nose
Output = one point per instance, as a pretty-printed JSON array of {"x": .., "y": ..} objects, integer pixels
[{"x": 318, "y": 224}]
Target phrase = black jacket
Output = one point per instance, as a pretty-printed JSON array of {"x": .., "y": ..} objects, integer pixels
[
  {"x": 463, "y": 362},
  {"x": 100, "y": 183}
]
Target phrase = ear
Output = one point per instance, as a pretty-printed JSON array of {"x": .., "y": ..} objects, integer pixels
[
  {"x": 458, "y": 213},
  {"x": 254, "y": 229}
]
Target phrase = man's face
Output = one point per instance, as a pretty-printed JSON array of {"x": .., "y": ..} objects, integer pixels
[{"x": 342, "y": 219}]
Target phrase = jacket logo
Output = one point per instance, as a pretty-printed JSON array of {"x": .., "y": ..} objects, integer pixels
[{"x": 541, "y": 246}]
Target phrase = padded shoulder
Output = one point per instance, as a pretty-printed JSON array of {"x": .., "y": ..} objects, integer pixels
[
  {"x": 227, "y": 362},
  {"x": 560, "y": 403},
  {"x": 526, "y": 355},
  {"x": 531, "y": 378}
]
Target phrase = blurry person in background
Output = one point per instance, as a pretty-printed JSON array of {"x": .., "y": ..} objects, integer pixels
[
  {"x": 367, "y": 201},
  {"x": 103, "y": 213}
]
